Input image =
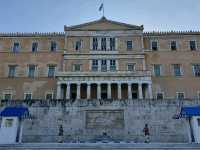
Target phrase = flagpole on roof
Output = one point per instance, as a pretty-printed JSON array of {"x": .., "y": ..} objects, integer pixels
[{"x": 101, "y": 8}]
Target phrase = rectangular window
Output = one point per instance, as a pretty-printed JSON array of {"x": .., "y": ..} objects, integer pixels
[
  {"x": 112, "y": 65},
  {"x": 196, "y": 70},
  {"x": 95, "y": 65},
  {"x": 7, "y": 96},
  {"x": 95, "y": 43},
  {"x": 154, "y": 45},
  {"x": 51, "y": 70},
  {"x": 103, "y": 43},
  {"x": 157, "y": 70},
  {"x": 1, "y": 45},
  {"x": 16, "y": 47},
  {"x": 34, "y": 47},
  {"x": 53, "y": 46},
  {"x": 131, "y": 67},
  {"x": 31, "y": 71},
  {"x": 193, "y": 45},
  {"x": 177, "y": 70},
  {"x": 112, "y": 44},
  {"x": 198, "y": 94},
  {"x": 198, "y": 122},
  {"x": 173, "y": 45},
  {"x": 27, "y": 96},
  {"x": 8, "y": 123},
  {"x": 78, "y": 45},
  {"x": 160, "y": 96},
  {"x": 180, "y": 95},
  {"x": 77, "y": 67},
  {"x": 103, "y": 65},
  {"x": 49, "y": 96},
  {"x": 129, "y": 45},
  {"x": 12, "y": 71}
]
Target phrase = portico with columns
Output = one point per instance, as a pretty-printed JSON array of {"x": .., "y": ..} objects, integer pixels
[
  {"x": 112, "y": 86},
  {"x": 104, "y": 59}
]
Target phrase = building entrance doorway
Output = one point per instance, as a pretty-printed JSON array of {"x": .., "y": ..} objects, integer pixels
[{"x": 104, "y": 94}]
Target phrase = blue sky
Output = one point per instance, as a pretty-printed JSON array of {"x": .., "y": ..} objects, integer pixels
[{"x": 52, "y": 15}]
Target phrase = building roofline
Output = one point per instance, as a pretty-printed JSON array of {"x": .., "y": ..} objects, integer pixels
[
  {"x": 32, "y": 34},
  {"x": 62, "y": 34},
  {"x": 103, "y": 19},
  {"x": 160, "y": 33}
]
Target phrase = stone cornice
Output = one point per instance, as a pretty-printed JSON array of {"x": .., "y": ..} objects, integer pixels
[
  {"x": 161, "y": 33},
  {"x": 33, "y": 34},
  {"x": 109, "y": 74},
  {"x": 89, "y": 33}
]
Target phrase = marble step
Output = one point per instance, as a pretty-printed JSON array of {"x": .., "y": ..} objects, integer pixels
[{"x": 100, "y": 146}]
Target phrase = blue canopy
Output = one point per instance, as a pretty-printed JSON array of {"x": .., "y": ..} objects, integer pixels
[
  {"x": 15, "y": 112},
  {"x": 190, "y": 111}
]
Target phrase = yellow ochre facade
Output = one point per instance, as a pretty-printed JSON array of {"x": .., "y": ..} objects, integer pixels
[{"x": 102, "y": 59}]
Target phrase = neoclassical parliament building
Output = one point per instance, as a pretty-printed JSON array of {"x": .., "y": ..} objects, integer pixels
[{"x": 103, "y": 59}]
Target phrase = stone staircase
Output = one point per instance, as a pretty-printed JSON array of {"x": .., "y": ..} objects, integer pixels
[{"x": 100, "y": 146}]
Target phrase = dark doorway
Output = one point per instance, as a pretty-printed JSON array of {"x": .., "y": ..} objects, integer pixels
[
  {"x": 134, "y": 91},
  {"x": 93, "y": 91},
  {"x": 104, "y": 94},
  {"x": 73, "y": 91}
]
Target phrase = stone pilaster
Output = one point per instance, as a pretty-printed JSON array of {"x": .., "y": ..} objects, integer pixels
[
  {"x": 140, "y": 91},
  {"x": 129, "y": 91}
]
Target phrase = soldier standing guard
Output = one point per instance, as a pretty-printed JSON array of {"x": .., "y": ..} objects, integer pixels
[
  {"x": 60, "y": 134},
  {"x": 146, "y": 133}
]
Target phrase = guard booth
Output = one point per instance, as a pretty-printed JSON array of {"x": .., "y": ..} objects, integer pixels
[
  {"x": 11, "y": 124},
  {"x": 192, "y": 115}
]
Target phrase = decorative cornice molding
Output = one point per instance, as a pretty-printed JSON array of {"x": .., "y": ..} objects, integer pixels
[
  {"x": 32, "y": 34},
  {"x": 160, "y": 33},
  {"x": 62, "y": 34}
]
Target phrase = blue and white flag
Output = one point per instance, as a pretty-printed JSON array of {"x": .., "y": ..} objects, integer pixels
[{"x": 101, "y": 7}]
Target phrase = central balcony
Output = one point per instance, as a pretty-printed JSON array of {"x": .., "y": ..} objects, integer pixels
[{"x": 142, "y": 73}]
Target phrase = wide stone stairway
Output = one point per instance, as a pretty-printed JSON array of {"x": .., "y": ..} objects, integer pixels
[{"x": 99, "y": 146}]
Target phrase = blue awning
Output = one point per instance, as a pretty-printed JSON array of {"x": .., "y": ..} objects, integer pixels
[
  {"x": 21, "y": 112},
  {"x": 190, "y": 111}
]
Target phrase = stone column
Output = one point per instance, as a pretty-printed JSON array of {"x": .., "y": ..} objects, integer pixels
[
  {"x": 99, "y": 65},
  {"x": 116, "y": 43},
  {"x": 68, "y": 91},
  {"x": 119, "y": 91},
  {"x": 107, "y": 43},
  {"x": 58, "y": 96},
  {"x": 140, "y": 90},
  {"x": 129, "y": 91},
  {"x": 99, "y": 43},
  {"x": 78, "y": 91},
  {"x": 150, "y": 90},
  {"x": 108, "y": 65},
  {"x": 88, "y": 91},
  {"x": 98, "y": 91},
  {"x": 109, "y": 90},
  {"x": 91, "y": 43}
]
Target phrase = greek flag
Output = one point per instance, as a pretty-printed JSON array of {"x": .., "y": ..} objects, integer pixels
[{"x": 101, "y": 7}]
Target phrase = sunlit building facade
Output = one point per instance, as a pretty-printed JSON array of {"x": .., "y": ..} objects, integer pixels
[{"x": 102, "y": 59}]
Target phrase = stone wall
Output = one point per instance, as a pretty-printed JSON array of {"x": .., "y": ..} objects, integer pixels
[{"x": 120, "y": 120}]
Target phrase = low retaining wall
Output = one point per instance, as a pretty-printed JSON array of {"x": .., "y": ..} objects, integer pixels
[{"x": 118, "y": 120}]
